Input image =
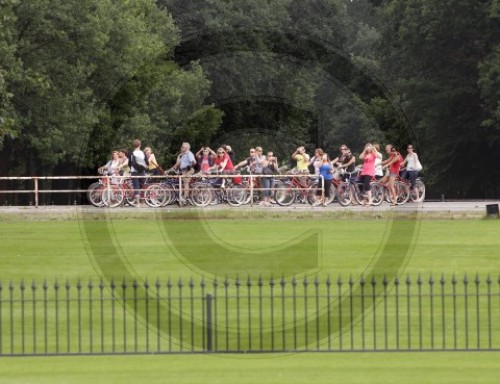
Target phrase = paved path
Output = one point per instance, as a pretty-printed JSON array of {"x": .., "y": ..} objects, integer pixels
[{"x": 471, "y": 207}]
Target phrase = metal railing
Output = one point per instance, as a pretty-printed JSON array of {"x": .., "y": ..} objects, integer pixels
[
  {"x": 36, "y": 191},
  {"x": 250, "y": 315}
]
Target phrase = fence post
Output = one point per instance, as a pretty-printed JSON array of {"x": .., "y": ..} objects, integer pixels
[
  {"x": 209, "y": 325},
  {"x": 36, "y": 192}
]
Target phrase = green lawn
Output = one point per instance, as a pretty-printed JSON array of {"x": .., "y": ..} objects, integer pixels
[
  {"x": 373, "y": 368},
  {"x": 155, "y": 247},
  {"x": 212, "y": 246}
]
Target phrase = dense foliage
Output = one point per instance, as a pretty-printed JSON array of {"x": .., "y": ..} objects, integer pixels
[{"x": 79, "y": 78}]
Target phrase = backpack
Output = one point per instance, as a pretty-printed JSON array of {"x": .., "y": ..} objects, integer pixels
[{"x": 138, "y": 167}]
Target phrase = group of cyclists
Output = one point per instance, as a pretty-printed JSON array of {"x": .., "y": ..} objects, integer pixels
[{"x": 319, "y": 166}]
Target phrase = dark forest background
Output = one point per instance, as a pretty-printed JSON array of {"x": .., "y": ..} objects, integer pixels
[{"x": 79, "y": 78}]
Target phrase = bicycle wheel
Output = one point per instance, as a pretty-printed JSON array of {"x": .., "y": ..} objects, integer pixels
[
  {"x": 358, "y": 196},
  {"x": 402, "y": 192},
  {"x": 201, "y": 194},
  {"x": 285, "y": 194},
  {"x": 94, "y": 194},
  {"x": 128, "y": 192},
  {"x": 155, "y": 195},
  {"x": 236, "y": 195},
  {"x": 344, "y": 194},
  {"x": 377, "y": 193},
  {"x": 419, "y": 195},
  {"x": 112, "y": 197}
]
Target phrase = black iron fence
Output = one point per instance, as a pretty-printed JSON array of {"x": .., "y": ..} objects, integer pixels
[{"x": 250, "y": 315}]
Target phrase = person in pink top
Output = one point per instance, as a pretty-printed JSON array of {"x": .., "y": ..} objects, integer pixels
[{"x": 368, "y": 156}]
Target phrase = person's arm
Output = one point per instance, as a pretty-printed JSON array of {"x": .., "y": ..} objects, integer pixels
[
  {"x": 198, "y": 154},
  {"x": 211, "y": 151},
  {"x": 178, "y": 162},
  {"x": 240, "y": 164},
  {"x": 390, "y": 161},
  {"x": 362, "y": 154},
  {"x": 223, "y": 165},
  {"x": 349, "y": 163}
]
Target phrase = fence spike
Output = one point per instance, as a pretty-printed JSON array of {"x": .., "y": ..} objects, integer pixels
[
  {"x": 191, "y": 283},
  {"x": 408, "y": 280},
  {"x": 272, "y": 282},
  {"x": 351, "y": 281},
  {"x": 169, "y": 283},
  {"x": 305, "y": 282},
  {"x": 68, "y": 285},
  {"x": 124, "y": 283},
  {"x": 91, "y": 284},
  {"x": 466, "y": 279},
  {"x": 33, "y": 285},
  {"x": 135, "y": 284},
  {"x": 226, "y": 282},
  {"x": 443, "y": 280},
  {"x": 396, "y": 280},
  {"x": 385, "y": 281},
  {"x": 362, "y": 280},
  {"x": 146, "y": 284},
  {"x": 328, "y": 282},
  {"x": 45, "y": 285},
  {"x": 1, "y": 286},
  {"x": 158, "y": 283},
  {"x": 249, "y": 281},
  {"x": 282, "y": 281},
  {"x": 78, "y": 284},
  {"x": 237, "y": 282},
  {"x": 202, "y": 282},
  {"x": 453, "y": 279},
  {"x": 260, "y": 282},
  {"x": 477, "y": 280},
  {"x": 488, "y": 279},
  {"x": 374, "y": 281},
  {"x": 431, "y": 280},
  {"x": 180, "y": 283},
  {"x": 419, "y": 279},
  {"x": 22, "y": 286},
  {"x": 101, "y": 284},
  {"x": 56, "y": 285},
  {"x": 294, "y": 281},
  {"x": 339, "y": 281},
  {"x": 316, "y": 281},
  {"x": 215, "y": 283}
]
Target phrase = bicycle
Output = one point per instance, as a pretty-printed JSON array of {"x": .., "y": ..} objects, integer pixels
[
  {"x": 350, "y": 190},
  {"x": 293, "y": 189}
]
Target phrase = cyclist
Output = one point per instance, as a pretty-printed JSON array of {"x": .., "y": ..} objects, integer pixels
[
  {"x": 153, "y": 166},
  {"x": 317, "y": 160},
  {"x": 302, "y": 159},
  {"x": 345, "y": 162},
  {"x": 326, "y": 173},
  {"x": 393, "y": 163},
  {"x": 205, "y": 157},
  {"x": 270, "y": 168},
  {"x": 139, "y": 163},
  {"x": 185, "y": 163},
  {"x": 369, "y": 156},
  {"x": 411, "y": 171}
]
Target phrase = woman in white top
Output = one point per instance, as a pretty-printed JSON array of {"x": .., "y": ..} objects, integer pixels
[
  {"x": 379, "y": 172},
  {"x": 412, "y": 166},
  {"x": 316, "y": 161},
  {"x": 112, "y": 167}
]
